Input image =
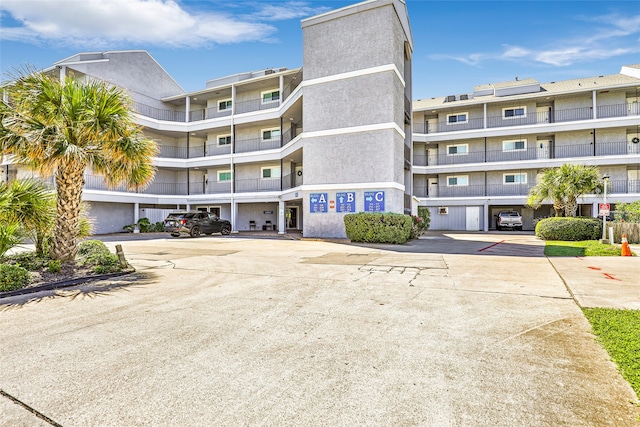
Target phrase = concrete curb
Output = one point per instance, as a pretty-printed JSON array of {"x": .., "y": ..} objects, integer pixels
[{"x": 63, "y": 284}]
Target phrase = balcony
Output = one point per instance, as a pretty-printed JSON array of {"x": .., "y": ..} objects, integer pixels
[
  {"x": 172, "y": 152},
  {"x": 421, "y": 189},
  {"x": 257, "y": 185},
  {"x": 159, "y": 114},
  {"x": 552, "y": 116},
  {"x": 256, "y": 104},
  {"x": 256, "y": 144},
  {"x": 532, "y": 153}
]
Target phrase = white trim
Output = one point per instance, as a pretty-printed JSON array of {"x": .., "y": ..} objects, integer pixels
[
  {"x": 271, "y": 92},
  {"x": 506, "y": 141},
  {"x": 466, "y": 120},
  {"x": 523, "y": 107},
  {"x": 464, "y": 153},
  {"x": 226, "y": 135},
  {"x": 457, "y": 177},
  {"x": 271, "y": 168},
  {"x": 514, "y": 174},
  {"x": 350, "y": 186},
  {"x": 225, "y": 101},
  {"x": 357, "y": 73},
  {"x": 224, "y": 171},
  {"x": 262, "y": 131},
  {"x": 354, "y": 129}
]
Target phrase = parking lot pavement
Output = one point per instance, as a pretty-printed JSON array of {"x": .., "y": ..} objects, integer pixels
[
  {"x": 237, "y": 331},
  {"x": 612, "y": 282}
]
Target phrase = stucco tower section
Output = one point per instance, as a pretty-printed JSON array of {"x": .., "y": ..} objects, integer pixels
[{"x": 357, "y": 111}]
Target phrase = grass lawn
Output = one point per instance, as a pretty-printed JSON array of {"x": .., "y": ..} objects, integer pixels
[
  {"x": 582, "y": 248},
  {"x": 619, "y": 333}
]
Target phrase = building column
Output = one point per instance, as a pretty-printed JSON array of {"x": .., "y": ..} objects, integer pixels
[
  {"x": 136, "y": 212},
  {"x": 234, "y": 216},
  {"x": 486, "y": 217},
  {"x": 188, "y": 207},
  {"x": 282, "y": 227},
  {"x": 595, "y": 104},
  {"x": 484, "y": 116},
  {"x": 187, "y": 107}
]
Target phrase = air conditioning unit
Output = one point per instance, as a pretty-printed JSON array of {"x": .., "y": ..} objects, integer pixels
[
  {"x": 451, "y": 98},
  {"x": 443, "y": 210}
]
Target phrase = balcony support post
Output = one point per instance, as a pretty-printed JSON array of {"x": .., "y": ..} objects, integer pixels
[
  {"x": 594, "y": 105},
  {"x": 281, "y": 217},
  {"x": 187, "y": 107},
  {"x": 484, "y": 116},
  {"x": 136, "y": 212}
]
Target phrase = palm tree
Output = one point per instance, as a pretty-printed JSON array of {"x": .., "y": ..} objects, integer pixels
[
  {"x": 578, "y": 180},
  {"x": 547, "y": 188},
  {"x": 65, "y": 126},
  {"x": 564, "y": 185},
  {"x": 30, "y": 204}
]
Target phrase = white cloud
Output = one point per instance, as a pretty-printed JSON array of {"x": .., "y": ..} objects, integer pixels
[
  {"x": 99, "y": 22},
  {"x": 609, "y": 36},
  {"x": 282, "y": 11}
]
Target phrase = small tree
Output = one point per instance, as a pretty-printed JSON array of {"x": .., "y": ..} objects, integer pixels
[
  {"x": 564, "y": 185},
  {"x": 629, "y": 212},
  {"x": 29, "y": 204}
]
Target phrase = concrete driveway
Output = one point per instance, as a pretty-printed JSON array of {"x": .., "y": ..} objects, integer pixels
[{"x": 237, "y": 331}]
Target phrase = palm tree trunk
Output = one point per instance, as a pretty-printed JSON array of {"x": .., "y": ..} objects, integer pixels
[{"x": 69, "y": 183}]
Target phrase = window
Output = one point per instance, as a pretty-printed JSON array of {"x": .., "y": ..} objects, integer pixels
[
  {"x": 453, "y": 119},
  {"x": 270, "y": 134},
  {"x": 453, "y": 150},
  {"x": 514, "y": 145},
  {"x": 457, "y": 180},
  {"x": 271, "y": 172},
  {"x": 224, "y": 105},
  {"x": 515, "y": 178},
  {"x": 224, "y": 139},
  {"x": 511, "y": 113},
  {"x": 224, "y": 176},
  {"x": 270, "y": 96}
]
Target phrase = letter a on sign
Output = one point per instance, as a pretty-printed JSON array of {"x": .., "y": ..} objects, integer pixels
[{"x": 322, "y": 198}]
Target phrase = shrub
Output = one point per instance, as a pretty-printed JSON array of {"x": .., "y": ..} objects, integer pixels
[
  {"x": 30, "y": 261},
  {"x": 569, "y": 228},
  {"x": 145, "y": 226},
  {"x": 378, "y": 228},
  {"x": 96, "y": 254},
  {"x": 54, "y": 266},
  {"x": 89, "y": 247},
  {"x": 104, "y": 263},
  {"x": 417, "y": 227},
  {"x": 13, "y": 277},
  {"x": 10, "y": 236},
  {"x": 628, "y": 212}
]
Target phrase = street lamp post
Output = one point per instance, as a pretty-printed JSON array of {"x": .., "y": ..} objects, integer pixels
[{"x": 605, "y": 178}]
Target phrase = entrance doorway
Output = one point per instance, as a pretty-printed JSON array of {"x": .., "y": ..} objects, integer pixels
[{"x": 292, "y": 218}]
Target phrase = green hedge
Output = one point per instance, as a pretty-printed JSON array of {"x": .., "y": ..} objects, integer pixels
[
  {"x": 13, "y": 277},
  {"x": 96, "y": 254},
  {"x": 378, "y": 228},
  {"x": 569, "y": 228}
]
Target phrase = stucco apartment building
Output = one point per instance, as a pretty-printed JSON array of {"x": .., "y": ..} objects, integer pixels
[
  {"x": 297, "y": 149},
  {"x": 479, "y": 152}
]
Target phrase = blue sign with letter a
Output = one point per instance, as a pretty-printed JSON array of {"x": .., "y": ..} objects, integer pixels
[
  {"x": 318, "y": 202},
  {"x": 374, "y": 201}
]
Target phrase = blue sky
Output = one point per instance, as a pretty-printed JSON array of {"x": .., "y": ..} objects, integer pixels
[{"x": 458, "y": 44}]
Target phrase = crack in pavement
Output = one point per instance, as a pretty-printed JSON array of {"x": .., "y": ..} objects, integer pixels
[{"x": 30, "y": 409}]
